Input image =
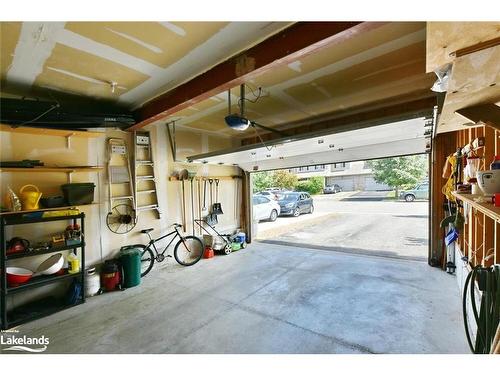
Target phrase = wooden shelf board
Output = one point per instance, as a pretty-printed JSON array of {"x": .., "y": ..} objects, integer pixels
[
  {"x": 488, "y": 209},
  {"x": 52, "y": 169},
  {"x": 53, "y": 132},
  {"x": 45, "y": 209}
]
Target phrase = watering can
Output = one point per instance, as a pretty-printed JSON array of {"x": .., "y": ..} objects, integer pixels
[{"x": 30, "y": 199}]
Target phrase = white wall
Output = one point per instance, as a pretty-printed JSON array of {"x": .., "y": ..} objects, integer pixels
[{"x": 101, "y": 243}]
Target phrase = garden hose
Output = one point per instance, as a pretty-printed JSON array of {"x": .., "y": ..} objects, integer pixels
[{"x": 487, "y": 318}]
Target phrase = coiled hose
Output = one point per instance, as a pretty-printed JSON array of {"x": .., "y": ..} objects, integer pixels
[{"x": 488, "y": 316}]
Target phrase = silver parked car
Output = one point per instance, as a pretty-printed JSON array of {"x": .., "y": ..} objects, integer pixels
[{"x": 333, "y": 189}]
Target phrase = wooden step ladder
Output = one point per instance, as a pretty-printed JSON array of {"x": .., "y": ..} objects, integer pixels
[
  {"x": 144, "y": 172},
  {"x": 119, "y": 173},
  {"x": 121, "y": 217}
]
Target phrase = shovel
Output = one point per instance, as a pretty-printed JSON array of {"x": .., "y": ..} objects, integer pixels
[
  {"x": 212, "y": 216},
  {"x": 217, "y": 207}
]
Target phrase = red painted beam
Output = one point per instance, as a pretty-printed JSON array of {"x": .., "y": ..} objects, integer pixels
[{"x": 285, "y": 47}]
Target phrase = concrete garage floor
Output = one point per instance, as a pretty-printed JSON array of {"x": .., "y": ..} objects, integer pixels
[{"x": 270, "y": 299}]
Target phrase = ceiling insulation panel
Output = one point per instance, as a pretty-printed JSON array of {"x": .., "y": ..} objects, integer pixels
[
  {"x": 72, "y": 70},
  {"x": 9, "y": 35},
  {"x": 393, "y": 139},
  {"x": 444, "y": 38},
  {"x": 160, "y": 43}
]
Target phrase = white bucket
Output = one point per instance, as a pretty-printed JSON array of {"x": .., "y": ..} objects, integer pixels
[{"x": 92, "y": 282}]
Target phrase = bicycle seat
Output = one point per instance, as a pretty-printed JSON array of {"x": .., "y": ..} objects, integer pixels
[{"x": 146, "y": 231}]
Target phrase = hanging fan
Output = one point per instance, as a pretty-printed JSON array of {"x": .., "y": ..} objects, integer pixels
[{"x": 122, "y": 219}]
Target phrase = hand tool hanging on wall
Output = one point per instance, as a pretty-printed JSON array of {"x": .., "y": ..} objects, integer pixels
[
  {"x": 210, "y": 189},
  {"x": 183, "y": 175},
  {"x": 217, "y": 207},
  {"x": 211, "y": 218},
  {"x": 199, "y": 202},
  {"x": 192, "y": 204},
  {"x": 204, "y": 194}
]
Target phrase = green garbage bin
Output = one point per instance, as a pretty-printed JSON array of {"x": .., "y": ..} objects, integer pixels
[{"x": 130, "y": 258}]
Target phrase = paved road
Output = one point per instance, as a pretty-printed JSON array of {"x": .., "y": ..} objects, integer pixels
[{"x": 381, "y": 227}]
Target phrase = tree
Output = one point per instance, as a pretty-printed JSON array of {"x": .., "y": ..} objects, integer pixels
[
  {"x": 283, "y": 179},
  {"x": 312, "y": 185},
  {"x": 261, "y": 181},
  {"x": 399, "y": 171}
]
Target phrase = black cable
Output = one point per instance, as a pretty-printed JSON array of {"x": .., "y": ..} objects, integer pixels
[
  {"x": 257, "y": 97},
  {"x": 464, "y": 310},
  {"x": 479, "y": 333},
  {"x": 481, "y": 337}
]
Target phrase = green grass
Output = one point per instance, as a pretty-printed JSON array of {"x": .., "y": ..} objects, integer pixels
[{"x": 391, "y": 195}]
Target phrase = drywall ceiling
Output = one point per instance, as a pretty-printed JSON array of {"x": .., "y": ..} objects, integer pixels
[
  {"x": 392, "y": 139},
  {"x": 445, "y": 38},
  {"x": 379, "y": 66},
  {"x": 125, "y": 62},
  {"x": 131, "y": 62}
]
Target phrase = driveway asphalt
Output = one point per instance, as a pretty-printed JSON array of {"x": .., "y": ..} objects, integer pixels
[{"x": 356, "y": 225}]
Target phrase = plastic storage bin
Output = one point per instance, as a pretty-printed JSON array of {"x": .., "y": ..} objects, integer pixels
[
  {"x": 78, "y": 193},
  {"x": 130, "y": 258}
]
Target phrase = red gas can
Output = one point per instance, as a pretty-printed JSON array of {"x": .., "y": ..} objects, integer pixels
[{"x": 208, "y": 253}]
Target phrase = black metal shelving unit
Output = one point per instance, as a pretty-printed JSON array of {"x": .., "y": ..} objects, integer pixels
[{"x": 12, "y": 319}]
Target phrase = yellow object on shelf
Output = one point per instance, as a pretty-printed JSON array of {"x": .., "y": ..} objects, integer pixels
[
  {"x": 61, "y": 213},
  {"x": 30, "y": 199},
  {"x": 73, "y": 263}
]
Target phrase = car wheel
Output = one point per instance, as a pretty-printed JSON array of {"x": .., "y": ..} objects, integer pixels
[
  {"x": 296, "y": 212},
  {"x": 311, "y": 209},
  {"x": 273, "y": 216},
  {"x": 409, "y": 197}
]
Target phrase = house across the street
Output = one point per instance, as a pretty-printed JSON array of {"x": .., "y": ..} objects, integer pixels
[{"x": 349, "y": 176}]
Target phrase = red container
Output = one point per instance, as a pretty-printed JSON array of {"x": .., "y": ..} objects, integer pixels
[
  {"x": 18, "y": 275},
  {"x": 208, "y": 253},
  {"x": 111, "y": 277}
]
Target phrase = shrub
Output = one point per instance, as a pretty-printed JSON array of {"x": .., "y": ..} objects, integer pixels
[{"x": 313, "y": 185}]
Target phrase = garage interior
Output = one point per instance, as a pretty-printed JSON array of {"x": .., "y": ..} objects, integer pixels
[{"x": 162, "y": 121}]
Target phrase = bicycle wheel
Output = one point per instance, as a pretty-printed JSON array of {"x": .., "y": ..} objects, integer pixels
[
  {"x": 188, "y": 250},
  {"x": 147, "y": 259}
]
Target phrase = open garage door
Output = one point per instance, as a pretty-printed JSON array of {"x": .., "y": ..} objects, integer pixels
[
  {"x": 362, "y": 215},
  {"x": 399, "y": 138}
]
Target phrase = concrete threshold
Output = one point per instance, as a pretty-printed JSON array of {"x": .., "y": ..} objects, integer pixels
[{"x": 348, "y": 250}]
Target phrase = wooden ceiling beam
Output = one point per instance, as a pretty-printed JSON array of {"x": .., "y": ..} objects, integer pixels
[{"x": 293, "y": 43}]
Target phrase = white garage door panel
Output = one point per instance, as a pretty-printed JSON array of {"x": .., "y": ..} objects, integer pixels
[
  {"x": 372, "y": 185},
  {"x": 346, "y": 183},
  {"x": 405, "y": 147},
  {"x": 394, "y": 139}
]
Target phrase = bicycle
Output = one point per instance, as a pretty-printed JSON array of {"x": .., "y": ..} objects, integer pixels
[{"x": 187, "y": 251}]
